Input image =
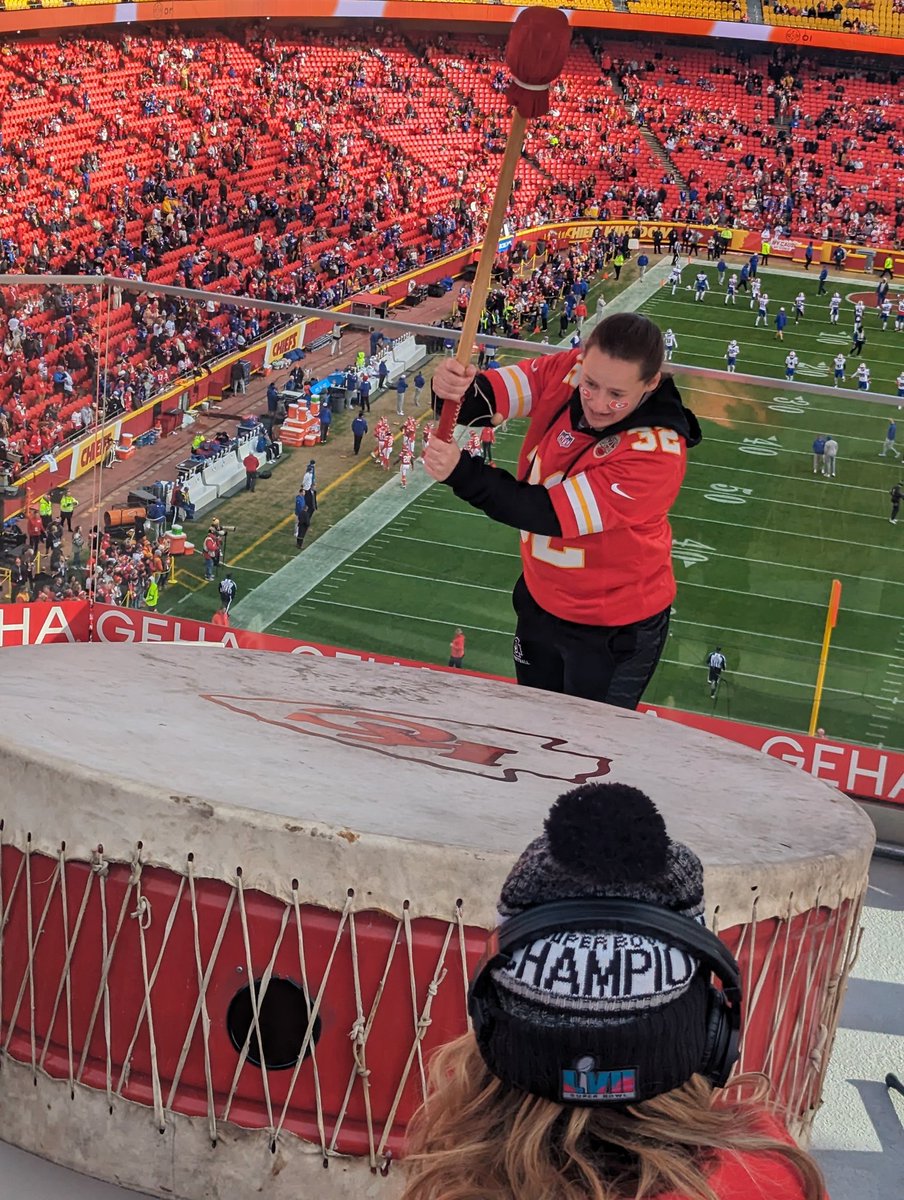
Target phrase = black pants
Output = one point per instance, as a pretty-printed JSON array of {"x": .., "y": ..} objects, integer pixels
[
  {"x": 895, "y": 509},
  {"x": 66, "y": 519},
  {"x": 357, "y": 437},
  {"x": 456, "y": 662},
  {"x": 250, "y": 481},
  {"x": 612, "y": 664}
]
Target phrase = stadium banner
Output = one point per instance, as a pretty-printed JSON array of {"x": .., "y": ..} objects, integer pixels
[
  {"x": 864, "y": 772},
  {"x": 92, "y": 451},
  {"x": 43, "y": 624},
  {"x": 447, "y": 15},
  {"x": 281, "y": 343}
]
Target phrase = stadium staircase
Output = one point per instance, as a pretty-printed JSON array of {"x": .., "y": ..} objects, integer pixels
[
  {"x": 651, "y": 141},
  {"x": 755, "y": 12},
  {"x": 659, "y": 151}
]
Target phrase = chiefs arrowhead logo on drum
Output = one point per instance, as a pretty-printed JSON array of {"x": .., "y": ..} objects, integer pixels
[{"x": 492, "y": 752}]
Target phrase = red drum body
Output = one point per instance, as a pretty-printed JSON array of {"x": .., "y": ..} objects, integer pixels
[
  {"x": 136, "y": 981},
  {"x": 221, "y": 974}
]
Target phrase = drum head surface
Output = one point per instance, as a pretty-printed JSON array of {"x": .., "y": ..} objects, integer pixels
[{"x": 170, "y": 735}]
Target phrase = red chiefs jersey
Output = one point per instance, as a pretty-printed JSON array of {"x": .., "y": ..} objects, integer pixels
[{"x": 612, "y": 493}]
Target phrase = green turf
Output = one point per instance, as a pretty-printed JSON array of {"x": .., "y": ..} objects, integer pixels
[
  {"x": 758, "y": 539},
  {"x": 704, "y": 329}
]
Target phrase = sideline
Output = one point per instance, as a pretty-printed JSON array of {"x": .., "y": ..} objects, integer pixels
[{"x": 269, "y": 600}]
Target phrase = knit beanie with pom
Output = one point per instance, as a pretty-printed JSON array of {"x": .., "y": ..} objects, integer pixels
[{"x": 597, "y": 1016}]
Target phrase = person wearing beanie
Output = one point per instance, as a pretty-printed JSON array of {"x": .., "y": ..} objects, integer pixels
[{"x": 599, "y": 1056}]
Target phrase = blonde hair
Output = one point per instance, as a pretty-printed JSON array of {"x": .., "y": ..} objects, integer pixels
[{"x": 476, "y": 1139}]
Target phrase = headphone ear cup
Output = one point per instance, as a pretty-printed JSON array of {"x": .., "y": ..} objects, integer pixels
[{"x": 722, "y": 1038}]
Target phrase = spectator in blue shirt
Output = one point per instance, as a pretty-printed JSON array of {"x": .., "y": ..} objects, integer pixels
[
  {"x": 401, "y": 389},
  {"x": 364, "y": 393},
  {"x": 419, "y": 383},
  {"x": 359, "y": 428}
]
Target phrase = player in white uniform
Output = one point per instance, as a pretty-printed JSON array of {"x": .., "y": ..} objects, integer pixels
[
  {"x": 701, "y": 286},
  {"x": 899, "y": 316},
  {"x": 859, "y": 310},
  {"x": 731, "y": 355},
  {"x": 835, "y": 307},
  {"x": 885, "y": 312},
  {"x": 755, "y": 287},
  {"x": 900, "y": 383},
  {"x": 840, "y": 364},
  {"x": 863, "y": 377},
  {"x": 671, "y": 344},
  {"x": 731, "y": 291},
  {"x": 800, "y": 301},
  {"x": 791, "y": 361},
  {"x": 675, "y": 278},
  {"x": 762, "y": 305}
]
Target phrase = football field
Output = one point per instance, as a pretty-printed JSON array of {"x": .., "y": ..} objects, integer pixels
[{"x": 758, "y": 537}]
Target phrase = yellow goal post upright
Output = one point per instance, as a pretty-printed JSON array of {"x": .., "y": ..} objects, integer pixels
[{"x": 831, "y": 621}]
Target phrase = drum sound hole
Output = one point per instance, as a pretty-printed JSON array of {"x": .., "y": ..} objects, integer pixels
[{"x": 283, "y": 1021}]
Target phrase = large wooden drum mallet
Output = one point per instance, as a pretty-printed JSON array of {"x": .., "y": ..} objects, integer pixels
[
  {"x": 535, "y": 55},
  {"x": 241, "y": 895}
]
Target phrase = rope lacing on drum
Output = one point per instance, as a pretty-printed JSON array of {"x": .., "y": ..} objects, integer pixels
[
  {"x": 358, "y": 1040},
  {"x": 112, "y": 891},
  {"x": 203, "y": 976},
  {"x": 108, "y": 951},
  {"x": 142, "y": 913},
  {"x": 420, "y": 1019},
  {"x": 257, "y": 997},
  {"x": 308, "y": 1044}
]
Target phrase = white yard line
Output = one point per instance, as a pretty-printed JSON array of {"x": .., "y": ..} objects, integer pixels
[{"x": 760, "y": 562}]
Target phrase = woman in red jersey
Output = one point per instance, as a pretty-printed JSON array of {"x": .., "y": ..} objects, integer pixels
[{"x": 600, "y": 467}]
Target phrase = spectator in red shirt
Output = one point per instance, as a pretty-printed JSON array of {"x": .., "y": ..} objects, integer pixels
[
  {"x": 250, "y": 463},
  {"x": 457, "y": 650},
  {"x": 221, "y": 617},
  {"x": 211, "y": 554},
  {"x": 487, "y": 441},
  {"x": 599, "y": 469}
]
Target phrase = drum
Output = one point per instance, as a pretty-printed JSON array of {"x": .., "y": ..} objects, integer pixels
[{"x": 242, "y": 894}]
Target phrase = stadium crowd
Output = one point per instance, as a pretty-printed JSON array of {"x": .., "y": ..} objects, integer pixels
[{"x": 303, "y": 168}]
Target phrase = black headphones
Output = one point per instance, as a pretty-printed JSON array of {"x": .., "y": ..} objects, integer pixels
[{"x": 717, "y": 1047}]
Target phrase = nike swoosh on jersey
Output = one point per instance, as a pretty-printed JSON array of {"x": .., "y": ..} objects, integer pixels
[{"x": 616, "y": 487}]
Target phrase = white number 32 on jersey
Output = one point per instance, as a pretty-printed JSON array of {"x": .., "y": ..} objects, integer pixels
[{"x": 656, "y": 438}]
